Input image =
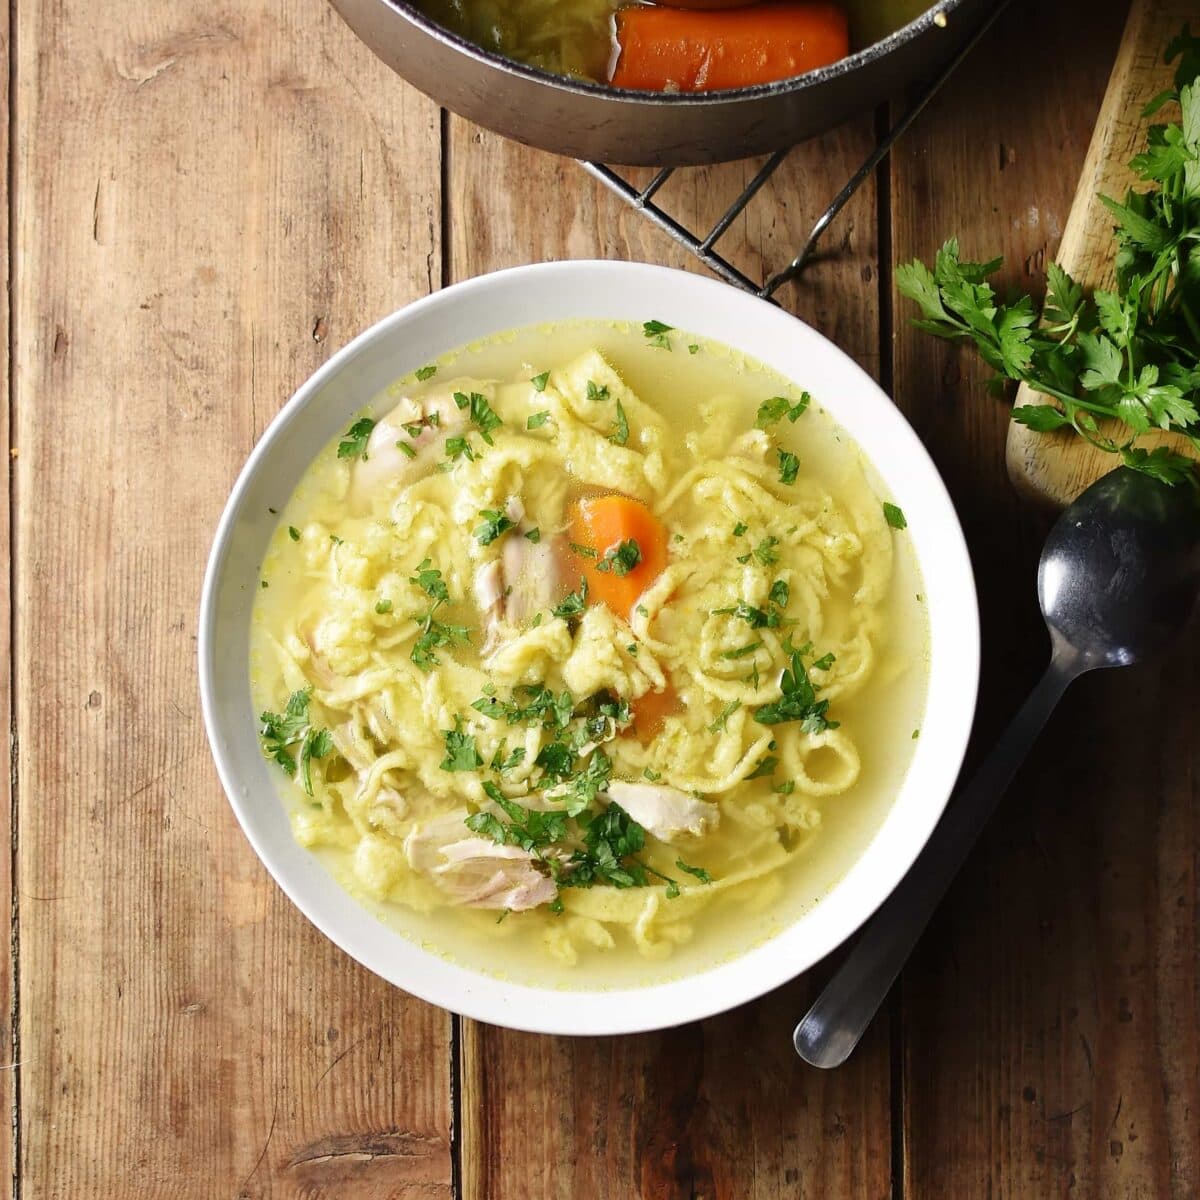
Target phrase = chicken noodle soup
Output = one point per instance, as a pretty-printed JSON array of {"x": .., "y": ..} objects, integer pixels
[{"x": 593, "y": 646}]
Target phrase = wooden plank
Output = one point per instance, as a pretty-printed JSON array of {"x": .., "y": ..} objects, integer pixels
[
  {"x": 9, "y": 1063},
  {"x": 1054, "y": 470},
  {"x": 208, "y": 201},
  {"x": 1050, "y": 1014},
  {"x": 722, "y": 1109}
]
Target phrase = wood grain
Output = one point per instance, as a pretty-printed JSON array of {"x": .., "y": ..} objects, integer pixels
[
  {"x": 1053, "y": 470},
  {"x": 719, "y": 1110},
  {"x": 207, "y": 201},
  {"x": 1050, "y": 1014},
  {"x": 9, "y": 1046}
]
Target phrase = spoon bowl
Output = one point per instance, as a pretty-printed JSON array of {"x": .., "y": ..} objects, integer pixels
[{"x": 1120, "y": 568}]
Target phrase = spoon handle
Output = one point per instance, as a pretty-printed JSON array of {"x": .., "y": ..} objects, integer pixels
[{"x": 831, "y": 1029}]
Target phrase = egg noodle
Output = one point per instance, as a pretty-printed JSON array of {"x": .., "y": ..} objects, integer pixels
[{"x": 439, "y": 626}]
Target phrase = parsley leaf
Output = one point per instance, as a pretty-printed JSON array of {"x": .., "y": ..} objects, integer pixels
[
  {"x": 765, "y": 551},
  {"x": 539, "y": 381},
  {"x": 596, "y": 393},
  {"x": 789, "y": 466},
  {"x": 492, "y": 524},
  {"x": 538, "y": 419},
  {"x": 483, "y": 416},
  {"x": 461, "y": 752},
  {"x": 778, "y": 407},
  {"x": 699, "y": 872},
  {"x": 281, "y": 731},
  {"x": 894, "y": 516},
  {"x": 620, "y": 559},
  {"x": 573, "y": 604},
  {"x": 656, "y": 333},
  {"x": 424, "y": 373},
  {"x": 620, "y": 433},
  {"x": 718, "y": 726},
  {"x": 354, "y": 444},
  {"x": 799, "y": 700}
]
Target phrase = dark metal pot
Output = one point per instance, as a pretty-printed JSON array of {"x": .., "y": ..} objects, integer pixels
[{"x": 606, "y": 124}]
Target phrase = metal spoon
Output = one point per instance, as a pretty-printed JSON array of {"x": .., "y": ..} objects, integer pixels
[{"x": 1118, "y": 579}]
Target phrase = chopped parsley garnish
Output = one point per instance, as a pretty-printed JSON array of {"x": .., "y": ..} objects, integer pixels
[
  {"x": 528, "y": 828},
  {"x": 354, "y": 444},
  {"x": 406, "y": 449},
  {"x": 766, "y": 766},
  {"x": 894, "y": 516},
  {"x": 434, "y": 633},
  {"x": 555, "y": 759},
  {"x": 481, "y": 413},
  {"x": 610, "y": 841},
  {"x": 293, "y": 533},
  {"x": 383, "y": 606},
  {"x": 740, "y": 528},
  {"x": 459, "y": 447},
  {"x": 573, "y": 604},
  {"x": 765, "y": 551},
  {"x": 429, "y": 579},
  {"x": 742, "y": 651},
  {"x": 652, "y": 775},
  {"x": 620, "y": 559},
  {"x": 461, "y": 752},
  {"x": 789, "y": 466},
  {"x": 778, "y": 407},
  {"x": 539, "y": 381},
  {"x": 424, "y": 373},
  {"x": 756, "y": 618},
  {"x": 281, "y": 731},
  {"x": 596, "y": 393},
  {"x": 492, "y": 524},
  {"x": 582, "y": 550},
  {"x": 799, "y": 700},
  {"x": 786, "y": 788},
  {"x": 337, "y": 541},
  {"x": 620, "y": 433},
  {"x": 699, "y": 872},
  {"x": 538, "y": 419},
  {"x": 779, "y": 593},
  {"x": 534, "y": 535},
  {"x": 718, "y": 726},
  {"x": 656, "y": 333},
  {"x": 693, "y": 348}
]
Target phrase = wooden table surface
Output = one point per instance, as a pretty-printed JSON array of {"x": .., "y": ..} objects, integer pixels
[{"x": 205, "y": 201}]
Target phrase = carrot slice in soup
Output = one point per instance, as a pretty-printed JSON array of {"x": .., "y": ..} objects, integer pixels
[
  {"x": 606, "y": 525},
  {"x": 672, "y": 49},
  {"x": 651, "y": 709}
]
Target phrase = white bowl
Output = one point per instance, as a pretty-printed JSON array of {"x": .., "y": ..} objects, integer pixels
[{"x": 527, "y": 296}]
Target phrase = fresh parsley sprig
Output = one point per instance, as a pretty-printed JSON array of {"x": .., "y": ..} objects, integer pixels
[
  {"x": 1117, "y": 364},
  {"x": 282, "y": 731}
]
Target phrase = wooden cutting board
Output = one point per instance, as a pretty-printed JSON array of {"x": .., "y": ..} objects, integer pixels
[{"x": 1052, "y": 469}]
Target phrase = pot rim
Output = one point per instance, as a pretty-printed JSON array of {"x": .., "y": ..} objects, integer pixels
[{"x": 919, "y": 25}]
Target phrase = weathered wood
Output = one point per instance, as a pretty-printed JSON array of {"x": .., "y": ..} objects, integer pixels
[
  {"x": 1050, "y": 1014},
  {"x": 720, "y": 1110},
  {"x": 9, "y": 1064},
  {"x": 1054, "y": 470},
  {"x": 208, "y": 200}
]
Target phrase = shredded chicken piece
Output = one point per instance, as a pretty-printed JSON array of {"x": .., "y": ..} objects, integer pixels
[
  {"x": 665, "y": 812},
  {"x": 385, "y": 462},
  {"x": 474, "y": 871}
]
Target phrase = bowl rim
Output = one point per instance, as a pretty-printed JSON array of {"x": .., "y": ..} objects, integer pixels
[
  {"x": 767, "y": 965},
  {"x": 934, "y": 15}
]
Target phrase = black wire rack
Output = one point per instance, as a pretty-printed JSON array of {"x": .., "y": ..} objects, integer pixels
[{"x": 703, "y": 246}]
